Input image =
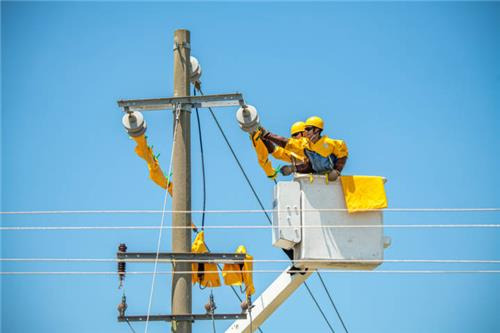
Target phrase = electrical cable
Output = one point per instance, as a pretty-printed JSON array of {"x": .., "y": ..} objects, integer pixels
[
  {"x": 419, "y": 261},
  {"x": 238, "y": 161},
  {"x": 212, "y": 310},
  {"x": 289, "y": 253},
  {"x": 204, "y": 192},
  {"x": 153, "y": 280},
  {"x": 76, "y": 273},
  {"x": 250, "y": 211},
  {"x": 130, "y": 325},
  {"x": 333, "y": 303},
  {"x": 202, "y": 166},
  {"x": 246, "y": 211},
  {"x": 319, "y": 308},
  {"x": 388, "y": 226}
]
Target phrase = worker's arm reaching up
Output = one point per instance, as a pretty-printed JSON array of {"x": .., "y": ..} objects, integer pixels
[{"x": 274, "y": 138}]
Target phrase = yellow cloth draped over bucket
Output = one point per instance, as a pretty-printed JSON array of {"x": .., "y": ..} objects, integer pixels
[
  {"x": 155, "y": 173},
  {"x": 204, "y": 273},
  {"x": 262, "y": 155},
  {"x": 233, "y": 275},
  {"x": 363, "y": 193}
]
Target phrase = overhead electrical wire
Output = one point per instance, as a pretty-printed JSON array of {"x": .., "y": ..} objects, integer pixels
[
  {"x": 319, "y": 308},
  {"x": 202, "y": 166},
  {"x": 333, "y": 303},
  {"x": 249, "y": 182},
  {"x": 205, "y": 196},
  {"x": 273, "y": 271},
  {"x": 245, "y": 211},
  {"x": 388, "y": 226},
  {"x": 153, "y": 280},
  {"x": 406, "y": 261}
]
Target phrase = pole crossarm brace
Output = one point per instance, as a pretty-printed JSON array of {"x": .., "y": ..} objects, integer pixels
[
  {"x": 154, "y": 104},
  {"x": 229, "y": 258},
  {"x": 184, "y": 317}
]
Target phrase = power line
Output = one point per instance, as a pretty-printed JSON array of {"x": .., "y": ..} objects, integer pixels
[
  {"x": 256, "y": 271},
  {"x": 432, "y": 261},
  {"x": 333, "y": 303},
  {"x": 202, "y": 166},
  {"x": 319, "y": 308},
  {"x": 177, "y": 121},
  {"x": 240, "y": 211},
  {"x": 388, "y": 226},
  {"x": 287, "y": 252}
]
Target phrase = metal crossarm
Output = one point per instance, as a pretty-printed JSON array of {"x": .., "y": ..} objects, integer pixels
[
  {"x": 184, "y": 317},
  {"x": 153, "y": 104},
  {"x": 209, "y": 257}
]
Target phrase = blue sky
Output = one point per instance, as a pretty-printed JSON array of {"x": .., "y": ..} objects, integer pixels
[{"x": 413, "y": 89}]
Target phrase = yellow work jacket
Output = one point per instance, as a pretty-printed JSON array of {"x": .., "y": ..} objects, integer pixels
[
  {"x": 293, "y": 149},
  {"x": 324, "y": 153},
  {"x": 326, "y": 146}
]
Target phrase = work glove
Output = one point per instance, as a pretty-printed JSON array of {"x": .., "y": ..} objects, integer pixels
[
  {"x": 333, "y": 175},
  {"x": 286, "y": 170},
  {"x": 263, "y": 132}
]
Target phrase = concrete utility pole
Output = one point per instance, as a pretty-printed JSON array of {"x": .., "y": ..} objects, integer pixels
[
  {"x": 133, "y": 121},
  {"x": 181, "y": 237}
]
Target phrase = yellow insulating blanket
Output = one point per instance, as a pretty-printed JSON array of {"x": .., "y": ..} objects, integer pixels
[
  {"x": 262, "y": 155},
  {"x": 155, "y": 173},
  {"x": 363, "y": 193},
  {"x": 236, "y": 274},
  {"x": 205, "y": 274}
]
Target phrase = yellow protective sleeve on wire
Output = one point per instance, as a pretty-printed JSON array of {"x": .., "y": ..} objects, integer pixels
[
  {"x": 200, "y": 270},
  {"x": 262, "y": 155},
  {"x": 363, "y": 193},
  {"x": 155, "y": 173},
  {"x": 233, "y": 275}
]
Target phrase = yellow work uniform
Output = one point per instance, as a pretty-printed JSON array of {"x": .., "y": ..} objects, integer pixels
[
  {"x": 262, "y": 155},
  {"x": 324, "y": 153},
  {"x": 293, "y": 149}
]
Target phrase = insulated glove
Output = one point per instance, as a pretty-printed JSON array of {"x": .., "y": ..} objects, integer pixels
[
  {"x": 333, "y": 175},
  {"x": 286, "y": 170}
]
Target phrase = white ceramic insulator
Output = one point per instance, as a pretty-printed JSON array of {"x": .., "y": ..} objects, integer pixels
[{"x": 195, "y": 70}]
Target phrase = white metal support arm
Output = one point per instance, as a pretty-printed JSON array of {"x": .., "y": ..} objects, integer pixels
[{"x": 275, "y": 295}]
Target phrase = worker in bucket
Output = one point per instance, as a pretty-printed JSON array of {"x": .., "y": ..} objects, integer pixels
[
  {"x": 323, "y": 155},
  {"x": 327, "y": 156},
  {"x": 289, "y": 150}
]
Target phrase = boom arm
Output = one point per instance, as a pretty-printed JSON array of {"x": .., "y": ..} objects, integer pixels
[{"x": 269, "y": 301}]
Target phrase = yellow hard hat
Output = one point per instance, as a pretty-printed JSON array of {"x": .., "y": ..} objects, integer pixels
[
  {"x": 315, "y": 121},
  {"x": 297, "y": 127}
]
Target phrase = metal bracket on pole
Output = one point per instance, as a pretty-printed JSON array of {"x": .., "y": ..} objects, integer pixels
[
  {"x": 185, "y": 317},
  {"x": 229, "y": 258},
  {"x": 155, "y": 104}
]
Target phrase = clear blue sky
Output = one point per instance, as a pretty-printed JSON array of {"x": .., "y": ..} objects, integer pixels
[{"x": 413, "y": 88}]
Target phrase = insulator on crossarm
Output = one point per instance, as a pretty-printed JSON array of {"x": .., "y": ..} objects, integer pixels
[
  {"x": 134, "y": 123},
  {"x": 248, "y": 118},
  {"x": 122, "y": 266},
  {"x": 195, "y": 74},
  {"x": 122, "y": 306}
]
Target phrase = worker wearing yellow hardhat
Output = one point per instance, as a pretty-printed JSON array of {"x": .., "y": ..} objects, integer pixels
[
  {"x": 326, "y": 155},
  {"x": 289, "y": 149},
  {"x": 297, "y": 129},
  {"x": 293, "y": 151}
]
